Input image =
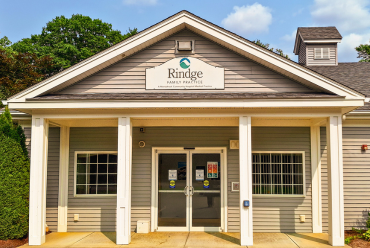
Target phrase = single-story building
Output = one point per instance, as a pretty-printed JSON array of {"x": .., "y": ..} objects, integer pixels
[{"x": 187, "y": 126}]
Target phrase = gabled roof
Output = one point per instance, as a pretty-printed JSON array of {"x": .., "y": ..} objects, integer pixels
[
  {"x": 319, "y": 33},
  {"x": 354, "y": 75},
  {"x": 169, "y": 26}
]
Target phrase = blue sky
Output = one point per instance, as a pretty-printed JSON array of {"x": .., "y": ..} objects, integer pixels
[{"x": 271, "y": 21}]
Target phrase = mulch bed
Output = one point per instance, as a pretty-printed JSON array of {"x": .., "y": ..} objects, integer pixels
[
  {"x": 12, "y": 243},
  {"x": 356, "y": 243}
]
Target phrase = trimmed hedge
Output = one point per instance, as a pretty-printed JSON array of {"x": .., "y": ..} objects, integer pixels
[{"x": 14, "y": 181}]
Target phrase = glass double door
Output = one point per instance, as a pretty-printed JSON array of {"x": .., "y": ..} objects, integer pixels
[{"x": 189, "y": 190}]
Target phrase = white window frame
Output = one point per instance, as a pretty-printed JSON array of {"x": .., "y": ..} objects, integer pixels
[
  {"x": 321, "y": 57},
  {"x": 75, "y": 175},
  {"x": 303, "y": 170}
]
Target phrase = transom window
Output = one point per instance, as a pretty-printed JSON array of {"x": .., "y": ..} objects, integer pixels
[
  {"x": 96, "y": 173},
  {"x": 278, "y": 173}
]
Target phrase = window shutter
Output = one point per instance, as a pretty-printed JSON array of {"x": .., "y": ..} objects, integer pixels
[
  {"x": 325, "y": 53},
  {"x": 317, "y": 53}
]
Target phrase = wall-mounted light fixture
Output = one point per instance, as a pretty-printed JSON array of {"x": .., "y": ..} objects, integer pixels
[{"x": 141, "y": 143}]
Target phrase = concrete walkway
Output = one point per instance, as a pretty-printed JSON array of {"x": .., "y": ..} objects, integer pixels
[{"x": 186, "y": 239}]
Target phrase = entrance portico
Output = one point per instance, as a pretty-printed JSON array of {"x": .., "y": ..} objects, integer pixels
[{"x": 244, "y": 123}]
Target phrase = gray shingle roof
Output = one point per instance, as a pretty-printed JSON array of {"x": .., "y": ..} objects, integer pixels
[
  {"x": 353, "y": 75},
  {"x": 319, "y": 33},
  {"x": 180, "y": 96}
]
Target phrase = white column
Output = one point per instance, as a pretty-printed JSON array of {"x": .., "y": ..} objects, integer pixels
[
  {"x": 38, "y": 174},
  {"x": 123, "y": 221},
  {"x": 245, "y": 175},
  {"x": 335, "y": 180},
  {"x": 63, "y": 179},
  {"x": 316, "y": 179}
]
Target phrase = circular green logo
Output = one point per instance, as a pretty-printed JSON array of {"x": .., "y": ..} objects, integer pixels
[{"x": 185, "y": 63}]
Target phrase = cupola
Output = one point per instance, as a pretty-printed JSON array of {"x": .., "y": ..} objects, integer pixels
[{"x": 317, "y": 46}]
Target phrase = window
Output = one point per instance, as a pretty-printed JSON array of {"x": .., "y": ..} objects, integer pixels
[
  {"x": 322, "y": 53},
  {"x": 278, "y": 173},
  {"x": 96, "y": 173}
]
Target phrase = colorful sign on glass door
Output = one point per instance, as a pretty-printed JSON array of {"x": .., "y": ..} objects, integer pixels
[{"x": 212, "y": 169}]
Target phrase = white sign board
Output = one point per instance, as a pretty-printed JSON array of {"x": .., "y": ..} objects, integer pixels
[
  {"x": 199, "y": 175},
  {"x": 185, "y": 73},
  {"x": 172, "y": 175}
]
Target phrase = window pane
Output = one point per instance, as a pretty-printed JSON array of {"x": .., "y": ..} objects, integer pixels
[
  {"x": 93, "y": 158},
  {"x": 102, "y": 189},
  {"x": 112, "y": 179},
  {"x": 102, "y": 168},
  {"x": 81, "y": 168},
  {"x": 91, "y": 178},
  {"x": 81, "y": 179},
  {"x": 112, "y": 158},
  {"x": 80, "y": 189},
  {"x": 102, "y": 158},
  {"x": 112, "y": 189},
  {"x": 102, "y": 179},
  {"x": 91, "y": 189},
  {"x": 112, "y": 168},
  {"x": 81, "y": 158},
  {"x": 92, "y": 168}
]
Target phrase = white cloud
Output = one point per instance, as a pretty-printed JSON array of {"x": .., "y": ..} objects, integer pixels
[
  {"x": 346, "y": 15},
  {"x": 289, "y": 37},
  {"x": 250, "y": 19},
  {"x": 140, "y": 2},
  {"x": 346, "y": 49}
]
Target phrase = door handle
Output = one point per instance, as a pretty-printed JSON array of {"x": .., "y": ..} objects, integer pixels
[
  {"x": 191, "y": 190},
  {"x": 186, "y": 190}
]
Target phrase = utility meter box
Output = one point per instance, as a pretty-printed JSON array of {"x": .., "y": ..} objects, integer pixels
[{"x": 143, "y": 226}]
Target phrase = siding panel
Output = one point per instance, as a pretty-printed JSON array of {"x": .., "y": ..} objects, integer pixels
[
  {"x": 356, "y": 176},
  {"x": 332, "y": 54},
  {"x": 128, "y": 75}
]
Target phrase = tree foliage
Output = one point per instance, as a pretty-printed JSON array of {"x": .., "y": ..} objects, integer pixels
[
  {"x": 363, "y": 51},
  {"x": 19, "y": 71},
  {"x": 267, "y": 46},
  {"x": 14, "y": 180},
  {"x": 71, "y": 40}
]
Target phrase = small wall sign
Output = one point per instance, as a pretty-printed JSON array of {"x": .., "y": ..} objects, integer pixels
[
  {"x": 199, "y": 175},
  {"x": 206, "y": 184},
  {"x": 172, "y": 184}
]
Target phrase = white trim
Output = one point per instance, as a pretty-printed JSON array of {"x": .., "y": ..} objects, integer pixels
[
  {"x": 323, "y": 41},
  {"x": 124, "y": 171},
  {"x": 75, "y": 175},
  {"x": 335, "y": 180},
  {"x": 303, "y": 170},
  {"x": 245, "y": 175},
  {"x": 63, "y": 179},
  {"x": 4, "y": 102},
  {"x": 316, "y": 179},
  {"x": 38, "y": 175},
  {"x": 235, "y": 103},
  {"x": 169, "y": 26},
  {"x": 154, "y": 188}
]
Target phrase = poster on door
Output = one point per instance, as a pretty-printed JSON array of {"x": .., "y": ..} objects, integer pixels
[{"x": 212, "y": 169}]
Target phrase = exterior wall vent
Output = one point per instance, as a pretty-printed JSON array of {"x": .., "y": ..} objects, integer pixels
[
  {"x": 185, "y": 46},
  {"x": 322, "y": 53}
]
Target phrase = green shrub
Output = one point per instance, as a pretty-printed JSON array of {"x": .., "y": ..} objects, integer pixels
[{"x": 14, "y": 180}]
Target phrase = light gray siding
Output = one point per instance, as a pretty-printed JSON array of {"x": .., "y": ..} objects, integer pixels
[
  {"x": 277, "y": 214},
  {"x": 27, "y": 133},
  {"x": 96, "y": 213},
  {"x": 52, "y": 188},
  {"x": 241, "y": 74},
  {"x": 302, "y": 56},
  {"x": 270, "y": 214},
  {"x": 356, "y": 174},
  {"x": 333, "y": 56}
]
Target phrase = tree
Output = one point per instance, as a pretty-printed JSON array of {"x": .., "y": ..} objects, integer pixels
[
  {"x": 71, "y": 40},
  {"x": 363, "y": 51},
  {"x": 14, "y": 179},
  {"x": 18, "y": 71},
  {"x": 267, "y": 46}
]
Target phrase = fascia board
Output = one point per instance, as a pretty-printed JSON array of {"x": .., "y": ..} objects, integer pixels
[
  {"x": 324, "y": 41},
  {"x": 201, "y": 25},
  {"x": 250, "y": 103},
  {"x": 275, "y": 60}
]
